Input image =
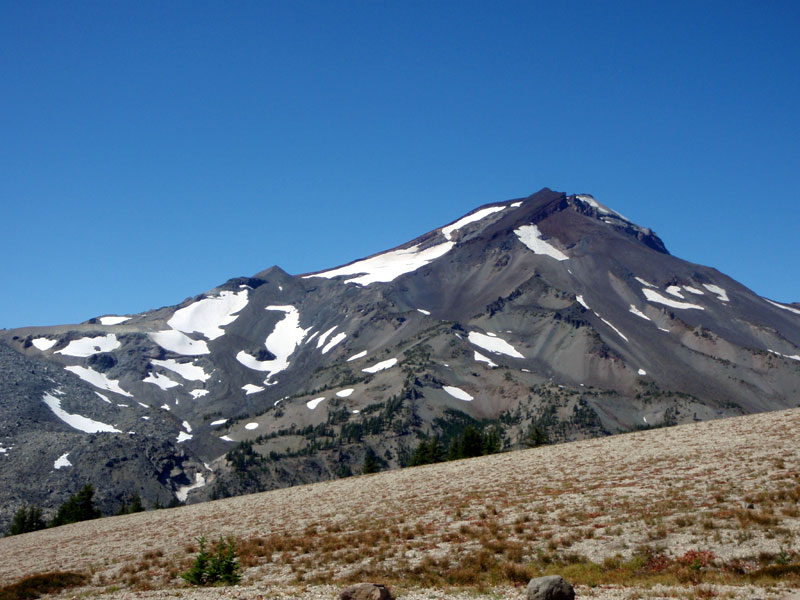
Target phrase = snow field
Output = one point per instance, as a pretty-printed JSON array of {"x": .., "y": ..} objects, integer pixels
[
  {"x": 312, "y": 404},
  {"x": 381, "y": 366},
  {"x": 98, "y": 380},
  {"x": 321, "y": 339},
  {"x": 189, "y": 371},
  {"x": 183, "y": 492},
  {"x": 178, "y": 342},
  {"x": 532, "y": 238},
  {"x": 493, "y": 344},
  {"x": 161, "y": 381},
  {"x": 198, "y": 393},
  {"x": 675, "y": 290},
  {"x": 250, "y": 388},
  {"x": 789, "y": 308},
  {"x": 715, "y": 289},
  {"x": 361, "y": 354},
  {"x": 476, "y": 216},
  {"x": 88, "y": 346},
  {"x": 389, "y": 265},
  {"x": 339, "y": 337},
  {"x": 457, "y": 393},
  {"x": 481, "y": 358},
  {"x": 78, "y": 422},
  {"x": 209, "y": 315},
  {"x": 282, "y": 342},
  {"x": 113, "y": 320}
]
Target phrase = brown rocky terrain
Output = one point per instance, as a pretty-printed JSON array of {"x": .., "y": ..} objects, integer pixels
[{"x": 702, "y": 510}]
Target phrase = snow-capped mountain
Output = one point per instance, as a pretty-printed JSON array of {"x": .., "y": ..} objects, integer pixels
[{"x": 551, "y": 311}]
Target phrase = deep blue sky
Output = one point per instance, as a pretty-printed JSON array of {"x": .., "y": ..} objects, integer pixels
[{"x": 151, "y": 150}]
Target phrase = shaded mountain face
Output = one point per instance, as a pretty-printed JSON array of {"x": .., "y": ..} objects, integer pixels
[{"x": 551, "y": 312}]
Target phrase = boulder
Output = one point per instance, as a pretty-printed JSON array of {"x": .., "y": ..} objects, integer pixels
[
  {"x": 550, "y": 587},
  {"x": 365, "y": 591}
]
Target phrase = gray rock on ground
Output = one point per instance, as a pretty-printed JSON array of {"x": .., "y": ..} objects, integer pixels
[
  {"x": 550, "y": 587},
  {"x": 365, "y": 591}
]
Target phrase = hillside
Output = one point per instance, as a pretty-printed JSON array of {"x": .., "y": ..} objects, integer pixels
[
  {"x": 550, "y": 314},
  {"x": 728, "y": 487}
]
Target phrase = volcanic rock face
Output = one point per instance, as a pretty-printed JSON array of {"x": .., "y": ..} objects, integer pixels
[{"x": 551, "y": 312}]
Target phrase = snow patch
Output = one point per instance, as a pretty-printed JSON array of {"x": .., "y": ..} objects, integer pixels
[
  {"x": 361, "y": 354},
  {"x": 164, "y": 406},
  {"x": 218, "y": 422},
  {"x": 209, "y": 315},
  {"x": 225, "y": 438},
  {"x": 642, "y": 372},
  {"x": 645, "y": 283},
  {"x": 189, "y": 371},
  {"x": 312, "y": 404},
  {"x": 792, "y": 356},
  {"x": 639, "y": 313},
  {"x": 654, "y": 296},
  {"x": 186, "y": 426},
  {"x": 334, "y": 340},
  {"x": 675, "y": 290},
  {"x": 345, "y": 393},
  {"x": 251, "y": 426},
  {"x": 789, "y": 308},
  {"x": 457, "y": 393},
  {"x": 62, "y": 462},
  {"x": 198, "y": 393},
  {"x": 389, "y": 265},
  {"x": 42, "y": 343},
  {"x": 183, "y": 492},
  {"x": 715, "y": 289},
  {"x": 424, "y": 312},
  {"x": 381, "y": 366},
  {"x": 161, "y": 381},
  {"x": 493, "y": 344},
  {"x": 113, "y": 320},
  {"x": 619, "y": 333},
  {"x": 177, "y": 342},
  {"x": 516, "y": 204},
  {"x": 184, "y": 437},
  {"x": 98, "y": 380},
  {"x": 103, "y": 398},
  {"x": 78, "y": 422},
  {"x": 282, "y": 342},
  {"x": 582, "y": 302},
  {"x": 532, "y": 238},
  {"x": 693, "y": 290},
  {"x": 324, "y": 336},
  {"x": 476, "y": 216},
  {"x": 250, "y": 388},
  {"x": 88, "y": 346},
  {"x": 481, "y": 358}
]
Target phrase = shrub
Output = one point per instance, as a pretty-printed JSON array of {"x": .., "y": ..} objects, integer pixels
[
  {"x": 42, "y": 583},
  {"x": 218, "y": 568}
]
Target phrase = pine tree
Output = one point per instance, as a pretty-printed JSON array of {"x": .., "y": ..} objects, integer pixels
[
  {"x": 79, "y": 507},
  {"x": 27, "y": 518}
]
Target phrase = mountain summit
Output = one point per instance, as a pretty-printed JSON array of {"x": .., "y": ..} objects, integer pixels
[{"x": 551, "y": 313}]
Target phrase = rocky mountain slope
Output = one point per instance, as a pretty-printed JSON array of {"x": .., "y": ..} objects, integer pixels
[{"x": 551, "y": 313}]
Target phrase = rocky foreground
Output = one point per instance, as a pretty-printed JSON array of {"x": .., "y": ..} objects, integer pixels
[{"x": 702, "y": 510}]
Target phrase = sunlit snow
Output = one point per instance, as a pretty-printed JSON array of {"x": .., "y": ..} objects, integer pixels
[
  {"x": 639, "y": 313},
  {"x": 476, "y": 216},
  {"x": 312, "y": 404},
  {"x": 345, "y": 393},
  {"x": 251, "y": 426},
  {"x": 581, "y": 301},
  {"x": 386, "y": 364},
  {"x": 642, "y": 372},
  {"x": 165, "y": 406},
  {"x": 184, "y": 437},
  {"x": 324, "y": 336},
  {"x": 423, "y": 311},
  {"x": 218, "y": 422},
  {"x": 693, "y": 290},
  {"x": 715, "y": 289},
  {"x": 493, "y": 344},
  {"x": 177, "y": 342},
  {"x": 457, "y": 393},
  {"x": 789, "y": 308},
  {"x": 225, "y": 438},
  {"x": 62, "y": 462},
  {"x": 161, "y": 381},
  {"x": 654, "y": 296},
  {"x": 792, "y": 356},
  {"x": 334, "y": 340},
  {"x": 481, "y": 358},
  {"x": 614, "y": 328},
  {"x": 113, "y": 320},
  {"x": 198, "y": 393},
  {"x": 43, "y": 343},
  {"x": 103, "y": 398},
  {"x": 98, "y": 380},
  {"x": 209, "y": 315},
  {"x": 250, "y": 388},
  {"x": 645, "y": 283},
  {"x": 675, "y": 290},
  {"x": 88, "y": 346},
  {"x": 361, "y": 354},
  {"x": 532, "y": 238},
  {"x": 282, "y": 342},
  {"x": 189, "y": 371},
  {"x": 186, "y": 426},
  {"x": 516, "y": 204},
  {"x": 79, "y": 422},
  {"x": 183, "y": 492},
  {"x": 389, "y": 265}
]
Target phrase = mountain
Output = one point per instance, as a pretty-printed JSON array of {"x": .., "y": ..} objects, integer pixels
[{"x": 550, "y": 313}]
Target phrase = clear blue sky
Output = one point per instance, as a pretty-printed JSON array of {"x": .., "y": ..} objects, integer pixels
[{"x": 151, "y": 150}]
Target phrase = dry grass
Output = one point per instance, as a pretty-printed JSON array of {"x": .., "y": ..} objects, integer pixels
[{"x": 711, "y": 508}]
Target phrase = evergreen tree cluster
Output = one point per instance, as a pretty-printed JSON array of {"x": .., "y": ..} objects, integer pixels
[
  {"x": 470, "y": 443},
  {"x": 218, "y": 567}
]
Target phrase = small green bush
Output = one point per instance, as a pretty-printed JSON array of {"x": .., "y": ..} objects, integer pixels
[{"x": 218, "y": 568}]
